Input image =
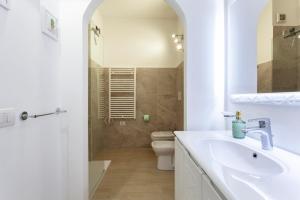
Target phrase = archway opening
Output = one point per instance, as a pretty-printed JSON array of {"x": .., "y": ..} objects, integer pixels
[{"x": 148, "y": 38}]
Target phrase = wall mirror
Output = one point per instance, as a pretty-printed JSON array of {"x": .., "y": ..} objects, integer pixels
[
  {"x": 264, "y": 57},
  {"x": 278, "y": 47}
]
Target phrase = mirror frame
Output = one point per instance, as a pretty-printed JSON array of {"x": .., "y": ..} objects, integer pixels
[{"x": 284, "y": 98}]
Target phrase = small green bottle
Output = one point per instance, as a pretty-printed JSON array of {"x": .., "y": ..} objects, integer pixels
[{"x": 237, "y": 127}]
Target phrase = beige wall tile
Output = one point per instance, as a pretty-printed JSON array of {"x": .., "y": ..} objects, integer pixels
[{"x": 157, "y": 95}]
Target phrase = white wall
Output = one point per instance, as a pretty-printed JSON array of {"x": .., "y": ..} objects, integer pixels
[
  {"x": 97, "y": 43},
  {"x": 288, "y": 7},
  {"x": 243, "y": 17},
  {"x": 241, "y": 47},
  {"x": 204, "y": 91},
  {"x": 265, "y": 35},
  {"x": 140, "y": 42},
  {"x": 74, "y": 79},
  {"x": 32, "y": 153}
]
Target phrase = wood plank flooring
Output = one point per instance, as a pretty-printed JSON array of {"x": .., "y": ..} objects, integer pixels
[{"x": 133, "y": 175}]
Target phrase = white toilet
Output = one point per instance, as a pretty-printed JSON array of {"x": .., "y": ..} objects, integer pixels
[{"x": 163, "y": 146}]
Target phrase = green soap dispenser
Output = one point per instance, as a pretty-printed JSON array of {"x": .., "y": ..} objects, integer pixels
[{"x": 237, "y": 127}]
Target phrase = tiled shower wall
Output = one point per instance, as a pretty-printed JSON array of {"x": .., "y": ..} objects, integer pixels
[
  {"x": 159, "y": 94},
  {"x": 95, "y": 123},
  {"x": 282, "y": 74},
  {"x": 180, "y": 96}
]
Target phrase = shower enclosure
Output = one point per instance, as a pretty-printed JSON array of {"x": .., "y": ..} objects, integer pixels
[
  {"x": 286, "y": 59},
  {"x": 97, "y": 167}
]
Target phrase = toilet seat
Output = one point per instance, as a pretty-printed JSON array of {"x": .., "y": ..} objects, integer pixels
[{"x": 162, "y": 135}]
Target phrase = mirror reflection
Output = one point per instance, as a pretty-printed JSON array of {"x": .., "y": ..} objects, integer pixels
[{"x": 278, "y": 47}]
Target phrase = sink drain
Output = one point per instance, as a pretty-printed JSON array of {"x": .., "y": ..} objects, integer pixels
[{"x": 254, "y": 155}]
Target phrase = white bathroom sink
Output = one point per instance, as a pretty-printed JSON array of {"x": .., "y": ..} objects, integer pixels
[
  {"x": 241, "y": 158},
  {"x": 241, "y": 169}
]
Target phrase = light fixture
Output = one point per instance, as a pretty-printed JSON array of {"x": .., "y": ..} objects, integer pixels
[
  {"x": 178, "y": 40},
  {"x": 179, "y": 46}
]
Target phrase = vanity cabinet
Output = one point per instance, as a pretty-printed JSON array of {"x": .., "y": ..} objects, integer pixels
[
  {"x": 191, "y": 183},
  {"x": 209, "y": 192},
  {"x": 188, "y": 177}
]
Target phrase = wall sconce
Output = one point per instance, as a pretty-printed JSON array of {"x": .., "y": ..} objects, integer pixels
[
  {"x": 179, "y": 47},
  {"x": 178, "y": 40}
]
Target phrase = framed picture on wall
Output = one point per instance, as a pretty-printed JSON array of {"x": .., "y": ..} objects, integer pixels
[{"x": 49, "y": 24}]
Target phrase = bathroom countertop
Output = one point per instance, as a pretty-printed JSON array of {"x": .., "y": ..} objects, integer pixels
[{"x": 245, "y": 186}]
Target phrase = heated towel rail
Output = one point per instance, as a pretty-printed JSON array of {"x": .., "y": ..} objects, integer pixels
[
  {"x": 122, "y": 93},
  {"x": 100, "y": 92}
]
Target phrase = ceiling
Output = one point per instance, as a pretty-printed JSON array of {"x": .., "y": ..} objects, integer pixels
[{"x": 137, "y": 9}]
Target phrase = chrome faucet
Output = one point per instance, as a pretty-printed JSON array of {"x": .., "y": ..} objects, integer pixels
[{"x": 264, "y": 129}]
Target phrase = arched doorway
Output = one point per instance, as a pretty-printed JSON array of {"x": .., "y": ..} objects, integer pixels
[
  {"x": 94, "y": 72},
  {"x": 200, "y": 19}
]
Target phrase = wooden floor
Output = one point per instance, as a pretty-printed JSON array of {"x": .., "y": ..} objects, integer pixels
[{"x": 133, "y": 175}]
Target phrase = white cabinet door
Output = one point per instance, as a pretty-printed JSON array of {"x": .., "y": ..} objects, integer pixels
[
  {"x": 190, "y": 181},
  {"x": 193, "y": 186},
  {"x": 209, "y": 192},
  {"x": 188, "y": 177},
  {"x": 179, "y": 171}
]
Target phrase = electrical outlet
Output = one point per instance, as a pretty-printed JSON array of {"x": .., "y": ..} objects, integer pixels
[
  {"x": 5, "y": 4},
  {"x": 122, "y": 123}
]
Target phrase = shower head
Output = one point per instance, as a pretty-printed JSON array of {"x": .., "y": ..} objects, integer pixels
[
  {"x": 292, "y": 32},
  {"x": 96, "y": 31}
]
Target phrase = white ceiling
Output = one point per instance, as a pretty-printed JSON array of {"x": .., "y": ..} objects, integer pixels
[{"x": 137, "y": 8}]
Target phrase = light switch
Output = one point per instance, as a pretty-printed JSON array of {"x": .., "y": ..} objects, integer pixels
[
  {"x": 5, "y": 4},
  {"x": 3, "y": 118},
  {"x": 7, "y": 117}
]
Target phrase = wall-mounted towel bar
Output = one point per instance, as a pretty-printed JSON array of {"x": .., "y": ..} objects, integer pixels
[{"x": 24, "y": 115}]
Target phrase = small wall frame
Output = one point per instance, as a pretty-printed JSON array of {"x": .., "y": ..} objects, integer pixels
[{"x": 49, "y": 24}]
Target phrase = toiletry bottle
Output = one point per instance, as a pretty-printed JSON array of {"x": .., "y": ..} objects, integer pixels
[{"x": 237, "y": 127}]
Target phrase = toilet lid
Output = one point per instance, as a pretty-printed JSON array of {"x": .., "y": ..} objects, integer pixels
[{"x": 163, "y": 134}]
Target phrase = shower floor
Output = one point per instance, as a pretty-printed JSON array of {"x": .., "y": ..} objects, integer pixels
[
  {"x": 97, "y": 170},
  {"x": 133, "y": 175}
]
